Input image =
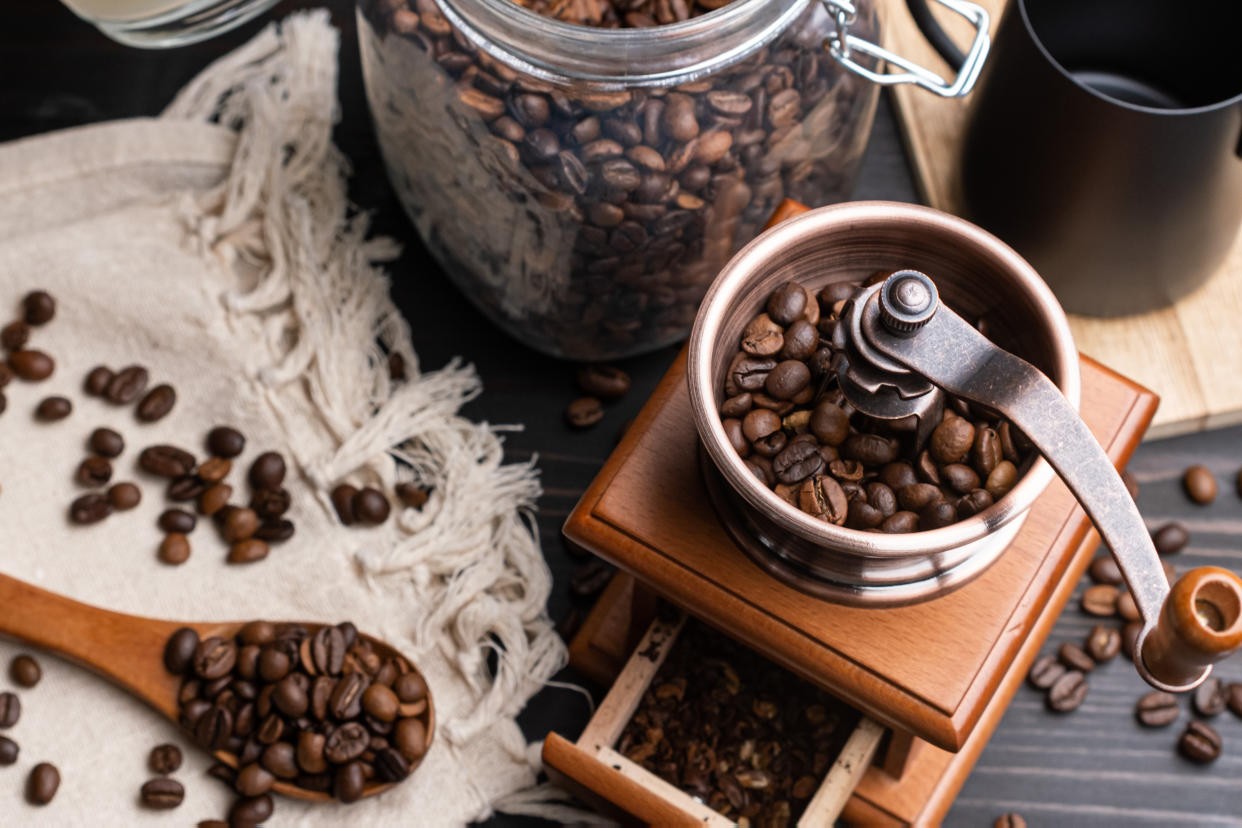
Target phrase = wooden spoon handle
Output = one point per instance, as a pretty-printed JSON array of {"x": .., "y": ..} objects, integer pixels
[{"x": 125, "y": 649}]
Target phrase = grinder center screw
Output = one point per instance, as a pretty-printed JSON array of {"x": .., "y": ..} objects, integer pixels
[{"x": 908, "y": 301}]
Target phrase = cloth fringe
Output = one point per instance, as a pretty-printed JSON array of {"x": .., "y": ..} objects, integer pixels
[{"x": 284, "y": 217}]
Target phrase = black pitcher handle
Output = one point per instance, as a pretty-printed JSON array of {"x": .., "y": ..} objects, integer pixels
[{"x": 935, "y": 35}]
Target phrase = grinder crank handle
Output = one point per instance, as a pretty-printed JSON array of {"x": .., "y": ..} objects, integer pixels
[{"x": 1186, "y": 629}]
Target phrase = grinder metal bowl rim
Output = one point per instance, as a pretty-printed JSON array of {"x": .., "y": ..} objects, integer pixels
[{"x": 754, "y": 260}]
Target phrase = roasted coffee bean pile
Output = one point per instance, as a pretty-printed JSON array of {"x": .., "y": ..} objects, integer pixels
[
  {"x": 21, "y": 361},
  {"x": 44, "y": 778},
  {"x": 652, "y": 189},
  {"x": 786, "y": 415},
  {"x": 599, "y": 383},
  {"x": 725, "y": 725},
  {"x": 319, "y": 709}
]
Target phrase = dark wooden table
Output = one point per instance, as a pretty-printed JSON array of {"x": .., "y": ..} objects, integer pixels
[{"x": 1092, "y": 767}]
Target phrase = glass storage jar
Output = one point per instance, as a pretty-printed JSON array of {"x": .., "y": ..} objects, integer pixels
[{"x": 583, "y": 185}]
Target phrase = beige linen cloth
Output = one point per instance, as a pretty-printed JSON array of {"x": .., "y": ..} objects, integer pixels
[{"x": 215, "y": 246}]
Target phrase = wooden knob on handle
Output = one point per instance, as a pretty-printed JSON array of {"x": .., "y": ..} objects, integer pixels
[{"x": 1199, "y": 624}]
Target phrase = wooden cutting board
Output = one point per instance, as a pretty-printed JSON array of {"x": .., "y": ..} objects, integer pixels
[{"x": 1186, "y": 353}]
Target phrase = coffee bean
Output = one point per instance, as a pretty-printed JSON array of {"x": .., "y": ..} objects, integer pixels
[
  {"x": 174, "y": 549},
  {"x": 93, "y": 472},
  {"x": 310, "y": 752},
  {"x": 52, "y": 409},
  {"x": 166, "y": 461},
  {"x": 1126, "y": 607},
  {"x": 584, "y": 412},
  {"x": 9, "y": 751},
  {"x": 1129, "y": 637},
  {"x": 822, "y": 497},
  {"x": 370, "y": 506},
  {"x": 214, "y": 499},
  {"x": 213, "y": 728},
  {"x": 164, "y": 759},
  {"x": 106, "y": 443},
  {"x": 1233, "y": 695},
  {"x": 90, "y": 508},
  {"x": 42, "y": 784},
  {"x": 156, "y": 404},
  {"x": 381, "y": 702},
  {"x": 248, "y": 551},
  {"x": 239, "y": 525},
  {"x": 162, "y": 794},
  {"x": 279, "y": 758},
  {"x": 349, "y": 782},
  {"x": 1103, "y": 643},
  {"x": 274, "y": 531},
  {"x": 918, "y": 496},
  {"x": 39, "y": 307},
  {"x": 251, "y": 811},
  {"x": 254, "y": 780},
  {"x": 796, "y": 462},
  {"x": 25, "y": 671},
  {"x": 1009, "y": 821},
  {"x": 1100, "y": 600},
  {"x": 177, "y": 520},
  {"x": 1170, "y": 538},
  {"x": 346, "y": 743},
  {"x": 391, "y": 766},
  {"x": 1075, "y": 657},
  {"x": 900, "y": 523},
  {"x": 343, "y": 501},
  {"x": 1104, "y": 570},
  {"x": 1210, "y": 697},
  {"x": 759, "y": 423},
  {"x": 937, "y": 515},
  {"x": 186, "y": 487},
  {"x": 270, "y": 503},
  {"x": 415, "y": 497},
  {"x": 1200, "y": 485},
  {"x": 786, "y": 303},
  {"x": 10, "y": 709},
  {"x": 226, "y": 442},
  {"x": 14, "y": 336},
  {"x": 762, "y": 337},
  {"x": 214, "y": 470},
  {"x": 411, "y": 687},
  {"x": 1044, "y": 672},
  {"x": 1199, "y": 743},
  {"x": 951, "y": 440},
  {"x": 1067, "y": 692},
  {"x": 179, "y": 651},
  {"x": 96, "y": 382},
  {"x": 869, "y": 449},
  {"x": 268, "y": 471},
  {"x": 1156, "y": 709},
  {"x": 127, "y": 385},
  {"x": 603, "y": 381},
  {"x": 124, "y": 496},
  {"x": 214, "y": 657},
  {"x": 590, "y": 578},
  {"x": 410, "y": 737},
  {"x": 31, "y": 365}
]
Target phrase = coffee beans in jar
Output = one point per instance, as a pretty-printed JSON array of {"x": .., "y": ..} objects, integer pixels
[
  {"x": 786, "y": 416},
  {"x": 619, "y": 200}
]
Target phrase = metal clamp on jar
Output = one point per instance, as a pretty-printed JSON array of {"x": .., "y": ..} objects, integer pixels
[{"x": 899, "y": 350}]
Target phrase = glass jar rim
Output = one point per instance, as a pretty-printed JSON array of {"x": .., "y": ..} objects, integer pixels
[{"x": 616, "y": 59}]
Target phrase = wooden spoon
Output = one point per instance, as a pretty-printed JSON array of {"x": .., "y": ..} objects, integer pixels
[{"x": 129, "y": 651}]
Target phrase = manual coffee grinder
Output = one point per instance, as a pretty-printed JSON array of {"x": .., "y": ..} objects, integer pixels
[{"x": 927, "y": 633}]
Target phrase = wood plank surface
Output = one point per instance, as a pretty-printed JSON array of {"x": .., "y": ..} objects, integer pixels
[
  {"x": 1176, "y": 351},
  {"x": 1094, "y": 767}
]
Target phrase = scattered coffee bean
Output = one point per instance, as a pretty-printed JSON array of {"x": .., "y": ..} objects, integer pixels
[
  {"x": 96, "y": 382},
  {"x": 270, "y": 503},
  {"x": 1210, "y": 698},
  {"x": 1044, "y": 672},
  {"x": 1126, "y": 607},
  {"x": 52, "y": 409},
  {"x": 214, "y": 499},
  {"x": 42, "y": 783},
  {"x": 1199, "y": 743},
  {"x": 1170, "y": 538},
  {"x": 25, "y": 671},
  {"x": 10, "y": 709},
  {"x": 1200, "y": 485},
  {"x": 31, "y": 365},
  {"x": 186, "y": 487},
  {"x": 9, "y": 751},
  {"x": 1156, "y": 709},
  {"x": 14, "y": 336},
  {"x": 1100, "y": 600},
  {"x": 174, "y": 549},
  {"x": 214, "y": 469},
  {"x": 1009, "y": 821},
  {"x": 251, "y": 811},
  {"x": 248, "y": 551},
  {"x": 415, "y": 497},
  {"x": 177, "y": 520},
  {"x": 1233, "y": 694},
  {"x": 1103, "y": 643},
  {"x": 93, "y": 472},
  {"x": 343, "y": 501},
  {"x": 1067, "y": 692},
  {"x": 226, "y": 442},
  {"x": 370, "y": 506},
  {"x": 603, "y": 381},
  {"x": 127, "y": 385},
  {"x": 584, "y": 412},
  {"x": 166, "y": 461},
  {"x": 156, "y": 404},
  {"x": 1104, "y": 570},
  {"x": 1129, "y": 637},
  {"x": 180, "y": 649},
  {"x": 39, "y": 307},
  {"x": 90, "y": 508},
  {"x": 275, "y": 531},
  {"x": 164, "y": 759},
  {"x": 267, "y": 471},
  {"x": 106, "y": 443},
  {"x": 254, "y": 780},
  {"x": 1075, "y": 657},
  {"x": 239, "y": 524},
  {"x": 162, "y": 794}
]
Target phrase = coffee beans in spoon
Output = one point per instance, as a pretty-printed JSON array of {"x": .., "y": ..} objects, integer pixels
[
  {"x": 787, "y": 417},
  {"x": 321, "y": 709}
]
